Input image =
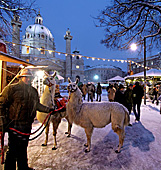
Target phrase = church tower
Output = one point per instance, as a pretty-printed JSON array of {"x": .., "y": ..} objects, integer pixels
[
  {"x": 16, "y": 25},
  {"x": 68, "y": 69}
]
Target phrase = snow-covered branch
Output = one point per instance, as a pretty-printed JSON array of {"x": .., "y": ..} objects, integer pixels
[{"x": 127, "y": 21}]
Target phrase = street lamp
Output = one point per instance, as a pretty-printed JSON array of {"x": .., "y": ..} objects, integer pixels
[
  {"x": 134, "y": 47},
  {"x": 144, "y": 70},
  {"x": 96, "y": 77}
]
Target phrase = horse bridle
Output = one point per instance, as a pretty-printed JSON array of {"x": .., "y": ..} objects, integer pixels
[
  {"x": 50, "y": 84},
  {"x": 73, "y": 90}
]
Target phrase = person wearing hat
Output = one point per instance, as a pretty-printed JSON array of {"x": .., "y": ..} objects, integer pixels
[
  {"x": 119, "y": 95},
  {"x": 138, "y": 93},
  {"x": 20, "y": 101}
]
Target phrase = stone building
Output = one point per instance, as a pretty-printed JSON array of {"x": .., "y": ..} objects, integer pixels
[
  {"x": 151, "y": 62},
  {"x": 101, "y": 73},
  {"x": 40, "y": 38}
]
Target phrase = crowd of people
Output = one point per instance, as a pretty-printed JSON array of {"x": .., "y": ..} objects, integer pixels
[{"x": 131, "y": 97}]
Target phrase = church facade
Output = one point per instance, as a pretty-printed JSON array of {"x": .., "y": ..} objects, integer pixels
[{"x": 38, "y": 46}]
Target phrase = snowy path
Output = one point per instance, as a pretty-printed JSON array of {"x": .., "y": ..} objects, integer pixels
[{"x": 141, "y": 149}]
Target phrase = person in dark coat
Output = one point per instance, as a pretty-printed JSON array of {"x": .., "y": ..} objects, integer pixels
[
  {"x": 155, "y": 94},
  {"x": 19, "y": 104},
  {"x": 138, "y": 93},
  {"x": 91, "y": 91},
  {"x": 119, "y": 95},
  {"x": 99, "y": 92},
  {"x": 129, "y": 98}
]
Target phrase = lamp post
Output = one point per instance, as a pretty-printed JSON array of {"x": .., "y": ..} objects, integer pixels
[
  {"x": 145, "y": 70},
  {"x": 134, "y": 47}
]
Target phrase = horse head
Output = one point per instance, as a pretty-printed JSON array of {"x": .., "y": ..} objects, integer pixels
[
  {"x": 72, "y": 86},
  {"x": 49, "y": 80}
]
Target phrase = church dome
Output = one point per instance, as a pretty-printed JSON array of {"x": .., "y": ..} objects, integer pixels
[
  {"x": 39, "y": 29},
  {"x": 38, "y": 36}
]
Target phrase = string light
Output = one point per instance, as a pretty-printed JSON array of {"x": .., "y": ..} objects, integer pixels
[{"x": 80, "y": 56}]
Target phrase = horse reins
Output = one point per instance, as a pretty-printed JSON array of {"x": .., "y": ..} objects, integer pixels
[{"x": 50, "y": 84}]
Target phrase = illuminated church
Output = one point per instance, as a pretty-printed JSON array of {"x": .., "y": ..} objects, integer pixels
[{"x": 38, "y": 46}]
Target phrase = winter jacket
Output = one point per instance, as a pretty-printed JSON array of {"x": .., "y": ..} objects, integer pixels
[
  {"x": 119, "y": 97},
  {"x": 20, "y": 102},
  {"x": 128, "y": 96},
  {"x": 99, "y": 89},
  {"x": 91, "y": 88},
  {"x": 84, "y": 89},
  {"x": 138, "y": 93}
]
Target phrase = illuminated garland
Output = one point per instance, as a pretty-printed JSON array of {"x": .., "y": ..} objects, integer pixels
[{"x": 80, "y": 56}]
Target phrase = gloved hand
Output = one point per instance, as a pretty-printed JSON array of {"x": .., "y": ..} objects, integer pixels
[{"x": 52, "y": 110}]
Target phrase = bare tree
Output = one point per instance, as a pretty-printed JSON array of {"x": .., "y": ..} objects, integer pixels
[
  {"x": 127, "y": 21},
  {"x": 24, "y": 8}
]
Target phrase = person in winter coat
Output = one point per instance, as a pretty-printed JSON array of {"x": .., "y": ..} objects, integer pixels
[
  {"x": 119, "y": 95},
  {"x": 111, "y": 93},
  {"x": 99, "y": 92},
  {"x": 84, "y": 91},
  {"x": 91, "y": 90},
  {"x": 155, "y": 94},
  {"x": 19, "y": 104},
  {"x": 129, "y": 98},
  {"x": 138, "y": 93}
]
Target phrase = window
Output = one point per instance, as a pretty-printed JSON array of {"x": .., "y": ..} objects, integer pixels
[
  {"x": 27, "y": 50},
  {"x": 77, "y": 66},
  {"x": 42, "y": 36},
  {"x": 42, "y": 50}
]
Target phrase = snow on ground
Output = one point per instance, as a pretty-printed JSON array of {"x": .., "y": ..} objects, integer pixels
[{"x": 141, "y": 150}]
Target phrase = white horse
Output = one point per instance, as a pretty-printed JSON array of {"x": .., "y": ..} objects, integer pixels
[
  {"x": 90, "y": 115},
  {"x": 47, "y": 99}
]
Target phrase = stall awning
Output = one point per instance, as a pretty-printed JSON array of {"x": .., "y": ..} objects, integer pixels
[{"x": 12, "y": 59}]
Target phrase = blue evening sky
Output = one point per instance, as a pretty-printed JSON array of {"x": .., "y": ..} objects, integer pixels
[{"x": 58, "y": 15}]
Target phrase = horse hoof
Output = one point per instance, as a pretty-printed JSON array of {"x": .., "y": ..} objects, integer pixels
[
  {"x": 66, "y": 132},
  {"x": 54, "y": 148},
  {"x": 68, "y": 136},
  {"x": 85, "y": 145},
  {"x": 117, "y": 151},
  {"x": 44, "y": 144},
  {"x": 86, "y": 151}
]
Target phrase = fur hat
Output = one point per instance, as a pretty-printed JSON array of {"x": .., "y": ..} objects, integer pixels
[{"x": 25, "y": 73}]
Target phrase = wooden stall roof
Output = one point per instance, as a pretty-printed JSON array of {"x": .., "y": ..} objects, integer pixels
[{"x": 9, "y": 58}]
